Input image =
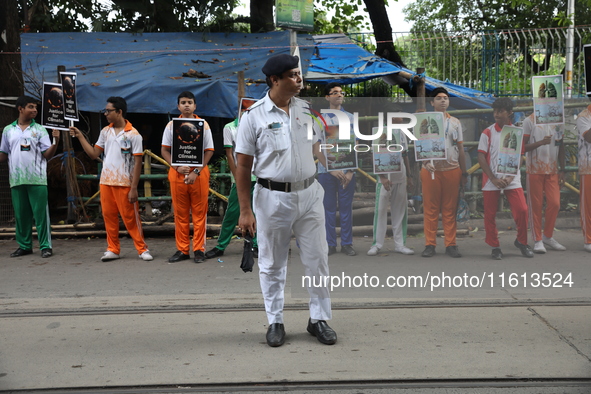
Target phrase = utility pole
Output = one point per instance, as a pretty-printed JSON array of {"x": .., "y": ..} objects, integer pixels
[{"x": 570, "y": 47}]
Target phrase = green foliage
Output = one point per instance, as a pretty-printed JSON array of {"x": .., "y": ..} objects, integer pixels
[{"x": 347, "y": 17}]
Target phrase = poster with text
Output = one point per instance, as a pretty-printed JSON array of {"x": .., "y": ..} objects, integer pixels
[
  {"x": 510, "y": 150},
  {"x": 341, "y": 154},
  {"x": 387, "y": 154},
  {"x": 52, "y": 107},
  {"x": 295, "y": 14},
  {"x": 548, "y": 99},
  {"x": 69, "y": 94},
  {"x": 430, "y": 143},
  {"x": 187, "y": 142}
]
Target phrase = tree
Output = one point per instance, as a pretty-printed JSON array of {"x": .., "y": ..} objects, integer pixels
[{"x": 10, "y": 59}]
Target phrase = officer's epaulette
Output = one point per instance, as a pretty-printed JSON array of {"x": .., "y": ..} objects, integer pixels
[{"x": 254, "y": 106}]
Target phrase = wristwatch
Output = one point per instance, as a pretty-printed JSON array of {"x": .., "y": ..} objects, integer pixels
[{"x": 196, "y": 171}]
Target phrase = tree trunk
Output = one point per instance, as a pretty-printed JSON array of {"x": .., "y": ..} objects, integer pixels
[
  {"x": 261, "y": 16},
  {"x": 382, "y": 31}
]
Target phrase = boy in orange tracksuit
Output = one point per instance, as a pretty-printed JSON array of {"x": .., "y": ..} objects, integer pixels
[
  {"x": 122, "y": 166},
  {"x": 584, "y": 129},
  {"x": 189, "y": 187}
]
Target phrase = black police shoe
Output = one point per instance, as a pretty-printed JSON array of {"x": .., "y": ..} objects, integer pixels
[
  {"x": 178, "y": 256},
  {"x": 322, "y": 332},
  {"x": 20, "y": 252},
  {"x": 276, "y": 335}
]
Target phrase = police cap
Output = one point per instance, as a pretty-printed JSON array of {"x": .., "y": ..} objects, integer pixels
[{"x": 279, "y": 64}]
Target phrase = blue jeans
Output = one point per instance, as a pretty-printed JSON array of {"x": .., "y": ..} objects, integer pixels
[{"x": 335, "y": 196}]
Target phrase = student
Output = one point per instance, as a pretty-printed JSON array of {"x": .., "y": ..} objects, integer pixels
[
  {"x": 121, "y": 145},
  {"x": 26, "y": 146},
  {"x": 232, "y": 213},
  {"x": 441, "y": 181},
  {"x": 391, "y": 192},
  {"x": 545, "y": 161},
  {"x": 493, "y": 183},
  {"x": 287, "y": 198},
  {"x": 189, "y": 187},
  {"x": 339, "y": 188},
  {"x": 584, "y": 129}
]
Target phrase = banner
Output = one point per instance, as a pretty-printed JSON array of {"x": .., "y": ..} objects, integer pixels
[
  {"x": 430, "y": 144},
  {"x": 387, "y": 155},
  {"x": 510, "y": 150},
  {"x": 52, "y": 107},
  {"x": 295, "y": 14},
  {"x": 69, "y": 94},
  {"x": 548, "y": 99},
  {"x": 187, "y": 142}
]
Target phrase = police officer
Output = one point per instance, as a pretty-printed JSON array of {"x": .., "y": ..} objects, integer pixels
[{"x": 273, "y": 134}]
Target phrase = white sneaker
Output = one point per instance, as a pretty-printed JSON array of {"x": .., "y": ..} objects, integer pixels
[
  {"x": 146, "y": 256},
  {"x": 108, "y": 256},
  {"x": 373, "y": 250},
  {"x": 552, "y": 243},
  {"x": 539, "y": 247},
  {"x": 404, "y": 250},
  {"x": 587, "y": 248}
]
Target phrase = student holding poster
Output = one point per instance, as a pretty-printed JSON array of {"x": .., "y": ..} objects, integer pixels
[
  {"x": 441, "y": 180},
  {"x": 494, "y": 181},
  {"x": 26, "y": 146},
  {"x": 584, "y": 145},
  {"x": 121, "y": 145},
  {"x": 187, "y": 145},
  {"x": 391, "y": 192}
]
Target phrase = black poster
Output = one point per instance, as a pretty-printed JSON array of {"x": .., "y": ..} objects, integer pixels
[
  {"x": 587, "y": 53},
  {"x": 69, "y": 93},
  {"x": 187, "y": 142},
  {"x": 52, "y": 107}
]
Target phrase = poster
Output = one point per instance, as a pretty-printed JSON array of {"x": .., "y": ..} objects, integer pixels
[
  {"x": 69, "y": 94},
  {"x": 340, "y": 154},
  {"x": 510, "y": 150},
  {"x": 295, "y": 14},
  {"x": 52, "y": 107},
  {"x": 548, "y": 99},
  {"x": 187, "y": 142},
  {"x": 587, "y": 54},
  {"x": 430, "y": 143},
  {"x": 245, "y": 103},
  {"x": 387, "y": 155}
]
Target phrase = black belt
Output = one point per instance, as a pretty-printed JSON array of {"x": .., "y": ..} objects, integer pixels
[{"x": 286, "y": 186}]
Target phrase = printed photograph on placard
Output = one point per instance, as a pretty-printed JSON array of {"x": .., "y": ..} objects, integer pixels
[
  {"x": 245, "y": 103},
  {"x": 187, "y": 142},
  {"x": 548, "y": 98},
  {"x": 387, "y": 154},
  {"x": 510, "y": 152},
  {"x": 69, "y": 94},
  {"x": 430, "y": 143},
  {"x": 52, "y": 107},
  {"x": 340, "y": 153}
]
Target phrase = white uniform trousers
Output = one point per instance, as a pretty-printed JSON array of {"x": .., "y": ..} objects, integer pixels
[
  {"x": 277, "y": 214},
  {"x": 397, "y": 201}
]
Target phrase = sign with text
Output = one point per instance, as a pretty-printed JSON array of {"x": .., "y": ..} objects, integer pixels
[
  {"x": 187, "y": 142},
  {"x": 295, "y": 14},
  {"x": 52, "y": 106},
  {"x": 69, "y": 94}
]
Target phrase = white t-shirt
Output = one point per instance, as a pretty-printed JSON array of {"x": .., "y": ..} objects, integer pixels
[
  {"x": 489, "y": 144},
  {"x": 119, "y": 149},
  {"x": 544, "y": 159}
]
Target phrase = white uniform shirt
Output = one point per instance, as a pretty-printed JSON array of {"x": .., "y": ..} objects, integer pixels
[
  {"x": 207, "y": 137},
  {"x": 119, "y": 149},
  {"x": 544, "y": 159},
  {"x": 26, "y": 164},
  {"x": 278, "y": 142},
  {"x": 489, "y": 144},
  {"x": 583, "y": 126}
]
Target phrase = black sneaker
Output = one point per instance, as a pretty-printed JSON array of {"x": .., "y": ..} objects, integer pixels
[
  {"x": 178, "y": 256},
  {"x": 348, "y": 250},
  {"x": 199, "y": 257},
  {"x": 429, "y": 251},
  {"x": 45, "y": 253},
  {"x": 215, "y": 252},
  {"x": 526, "y": 250},
  {"x": 453, "y": 251},
  {"x": 497, "y": 254},
  {"x": 332, "y": 250}
]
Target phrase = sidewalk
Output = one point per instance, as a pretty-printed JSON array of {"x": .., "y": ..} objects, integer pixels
[{"x": 154, "y": 323}]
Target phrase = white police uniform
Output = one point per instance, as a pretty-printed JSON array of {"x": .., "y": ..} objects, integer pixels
[{"x": 286, "y": 198}]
